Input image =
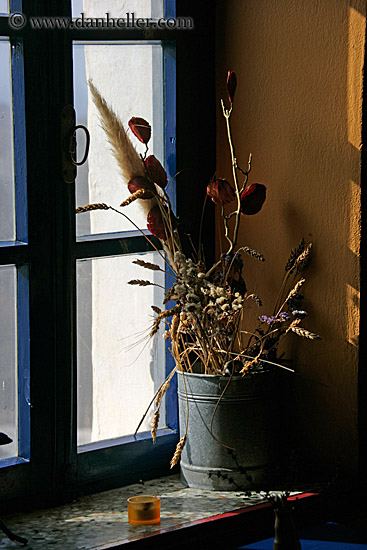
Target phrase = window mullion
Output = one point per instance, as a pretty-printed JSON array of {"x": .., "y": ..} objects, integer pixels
[
  {"x": 50, "y": 261},
  {"x": 20, "y": 171},
  {"x": 65, "y": 291},
  {"x": 92, "y": 248},
  {"x": 24, "y": 402}
]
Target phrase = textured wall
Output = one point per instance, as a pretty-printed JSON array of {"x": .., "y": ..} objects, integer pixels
[{"x": 298, "y": 110}]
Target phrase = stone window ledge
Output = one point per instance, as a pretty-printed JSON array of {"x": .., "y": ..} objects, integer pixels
[{"x": 100, "y": 521}]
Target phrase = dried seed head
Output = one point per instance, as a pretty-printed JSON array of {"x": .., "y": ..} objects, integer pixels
[
  {"x": 305, "y": 333},
  {"x": 295, "y": 289},
  {"x": 253, "y": 253},
  {"x": 139, "y": 194},
  {"x": 174, "y": 326},
  {"x": 162, "y": 315},
  {"x": 140, "y": 282},
  {"x": 248, "y": 366},
  {"x": 162, "y": 391},
  {"x": 292, "y": 325},
  {"x": 154, "y": 427},
  {"x": 89, "y": 207},
  {"x": 303, "y": 259},
  {"x": 295, "y": 252},
  {"x": 178, "y": 451},
  {"x": 147, "y": 265}
]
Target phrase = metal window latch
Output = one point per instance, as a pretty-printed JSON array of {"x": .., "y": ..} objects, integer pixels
[{"x": 68, "y": 144}]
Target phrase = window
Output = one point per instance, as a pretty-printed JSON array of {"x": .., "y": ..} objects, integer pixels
[{"x": 69, "y": 388}]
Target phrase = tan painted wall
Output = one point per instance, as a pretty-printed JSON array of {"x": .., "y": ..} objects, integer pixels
[{"x": 298, "y": 110}]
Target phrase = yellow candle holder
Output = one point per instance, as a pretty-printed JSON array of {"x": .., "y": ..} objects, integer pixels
[{"x": 144, "y": 510}]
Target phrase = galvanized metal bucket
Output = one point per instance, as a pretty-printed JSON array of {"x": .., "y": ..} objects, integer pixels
[{"x": 246, "y": 417}]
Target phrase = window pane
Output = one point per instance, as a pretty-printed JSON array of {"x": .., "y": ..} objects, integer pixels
[
  {"x": 7, "y": 197},
  {"x": 117, "y": 8},
  {"x": 119, "y": 367},
  {"x": 8, "y": 361},
  {"x": 129, "y": 77},
  {"x": 4, "y": 6}
]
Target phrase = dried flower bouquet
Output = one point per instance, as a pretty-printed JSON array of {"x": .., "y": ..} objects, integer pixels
[{"x": 205, "y": 324}]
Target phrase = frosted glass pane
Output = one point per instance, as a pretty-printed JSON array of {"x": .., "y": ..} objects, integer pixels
[
  {"x": 7, "y": 195},
  {"x": 4, "y": 6},
  {"x": 119, "y": 367},
  {"x": 129, "y": 77},
  {"x": 118, "y": 8},
  {"x": 8, "y": 361}
]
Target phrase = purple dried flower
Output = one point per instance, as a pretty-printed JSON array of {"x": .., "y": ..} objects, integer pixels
[
  {"x": 283, "y": 316},
  {"x": 233, "y": 259},
  {"x": 266, "y": 319}
]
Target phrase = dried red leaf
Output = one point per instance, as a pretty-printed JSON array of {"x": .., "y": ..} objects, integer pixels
[
  {"x": 140, "y": 183},
  {"x": 231, "y": 85},
  {"x": 252, "y": 199},
  {"x": 156, "y": 224},
  {"x": 140, "y": 128},
  {"x": 220, "y": 191},
  {"x": 156, "y": 171}
]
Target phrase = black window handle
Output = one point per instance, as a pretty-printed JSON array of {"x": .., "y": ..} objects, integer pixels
[{"x": 68, "y": 144}]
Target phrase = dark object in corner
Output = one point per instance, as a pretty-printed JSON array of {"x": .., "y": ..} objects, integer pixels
[
  {"x": 4, "y": 440},
  {"x": 11, "y": 535},
  {"x": 285, "y": 537}
]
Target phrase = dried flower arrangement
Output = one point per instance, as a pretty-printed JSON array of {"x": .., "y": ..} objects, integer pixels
[{"x": 204, "y": 325}]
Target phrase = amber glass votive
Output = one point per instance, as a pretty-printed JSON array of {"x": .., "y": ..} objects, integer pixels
[{"x": 144, "y": 509}]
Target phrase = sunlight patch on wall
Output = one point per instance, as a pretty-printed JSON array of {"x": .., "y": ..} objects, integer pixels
[
  {"x": 354, "y": 218},
  {"x": 353, "y": 305},
  {"x": 355, "y": 75}
]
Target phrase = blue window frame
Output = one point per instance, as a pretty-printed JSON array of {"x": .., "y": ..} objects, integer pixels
[{"x": 46, "y": 250}]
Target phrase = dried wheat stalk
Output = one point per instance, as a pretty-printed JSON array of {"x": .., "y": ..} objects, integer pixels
[
  {"x": 174, "y": 327},
  {"x": 154, "y": 427},
  {"x": 178, "y": 451},
  {"x": 303, "y": 259},
  {"x": 295, "y": 252},
  {"x": 139, "y": 194},
  {"x": 140, "y": 282},
  {"x": 292, "y": 325},
  {"x": 147, "y": 265},
  {"x": 295, "y": 289},
  {"x": 89, "y": 207},
  {"x": 249, "y": 365},
  {"x": 162, "y": 315},
  {"x": 253, "y": 253},
  {"x": 161, "y": 392},
  {"x": 164, "y": 387},
  {"x": 305, "y": 333}
]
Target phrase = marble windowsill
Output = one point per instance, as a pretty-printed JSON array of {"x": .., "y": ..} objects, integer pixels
[{"x": 101, "y": 519}]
